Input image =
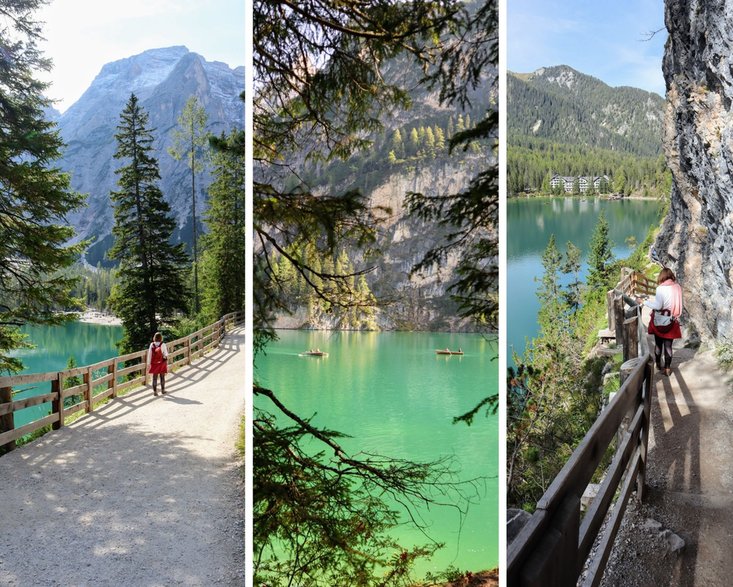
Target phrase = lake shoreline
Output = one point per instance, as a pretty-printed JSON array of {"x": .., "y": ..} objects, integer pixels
[{"x": 99, "y": 318}]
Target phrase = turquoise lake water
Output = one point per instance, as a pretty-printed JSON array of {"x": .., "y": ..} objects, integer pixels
[
  {"x": 531, "y": 222},
  {"x": 396, "y": 397},
  {"x": 87, "y": 343}
]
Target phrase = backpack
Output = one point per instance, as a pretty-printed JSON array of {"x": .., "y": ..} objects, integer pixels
[{"x": 157, "y": 356}]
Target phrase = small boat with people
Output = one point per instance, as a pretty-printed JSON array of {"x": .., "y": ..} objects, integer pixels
[
  {"x": 447, "y": 351},
  {"x": 314, "y": 353}
]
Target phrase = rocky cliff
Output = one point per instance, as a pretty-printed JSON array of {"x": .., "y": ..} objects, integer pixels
[
  {"x": 163, "y": 80},
  {"x": 696, "y": 239}
]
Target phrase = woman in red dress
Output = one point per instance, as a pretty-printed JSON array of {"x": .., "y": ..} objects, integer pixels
[
  {"x": 158, "y": 362},
  {"x": 664, "y": 323}
]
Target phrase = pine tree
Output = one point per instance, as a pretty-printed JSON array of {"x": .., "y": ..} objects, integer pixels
[
  {"x": 225, "y": 242},
  {"x": 151, "y": 288},
  {"x": 35, "y": 195},
  {"x": 191, "y": 140},
  {"x": 600, "y": 256}
]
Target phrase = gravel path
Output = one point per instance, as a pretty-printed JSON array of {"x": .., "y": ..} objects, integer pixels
[
  {"x": 145, "y": 491},
  {"x": 690, "y": 474}
]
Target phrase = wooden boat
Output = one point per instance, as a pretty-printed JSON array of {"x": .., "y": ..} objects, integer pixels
[
  {"x": 448, "y": 352},
  {"x": 314, "y": 353}
]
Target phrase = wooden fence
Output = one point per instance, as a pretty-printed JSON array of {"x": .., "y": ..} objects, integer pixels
[
  {"x": 553, "y": 546},
  {"x": 100, "y": 381}
]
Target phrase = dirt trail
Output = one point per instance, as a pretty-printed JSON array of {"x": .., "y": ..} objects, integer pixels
[
  {"x": 145, "y": 491},
  {"x": 691, "y": 484}
]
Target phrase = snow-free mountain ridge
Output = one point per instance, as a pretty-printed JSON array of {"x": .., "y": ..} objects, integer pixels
[{"x": 163, "y": 80}]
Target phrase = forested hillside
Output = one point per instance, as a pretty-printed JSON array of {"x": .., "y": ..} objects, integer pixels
[{"x": 561, "y": 121}]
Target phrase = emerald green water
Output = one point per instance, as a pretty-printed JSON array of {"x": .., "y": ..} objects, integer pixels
[
  {"x": 395, "y": 396},
  {"x": 87, "y": 343},
  {"x": 531, "y": 222}
]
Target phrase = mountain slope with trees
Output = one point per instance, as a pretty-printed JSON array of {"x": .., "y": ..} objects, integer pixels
[{"x": 565, "y": 122}]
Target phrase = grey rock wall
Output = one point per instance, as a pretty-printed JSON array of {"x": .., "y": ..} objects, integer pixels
[{"x": 696, "y": 239}]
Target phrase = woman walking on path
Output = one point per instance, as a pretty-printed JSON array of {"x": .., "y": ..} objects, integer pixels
[
  {"x": 158, "y": 362},
  {"x": 664, "y": 323}
]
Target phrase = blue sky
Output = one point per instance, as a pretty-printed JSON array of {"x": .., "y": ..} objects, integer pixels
[
  {"x": 83, "y": 35},
  {"x": 602, "y": 39}
]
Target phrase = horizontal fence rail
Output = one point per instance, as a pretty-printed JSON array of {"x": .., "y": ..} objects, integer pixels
[
  {"x": 97, "y": 382},
  {"x": 554, "y": 544}
]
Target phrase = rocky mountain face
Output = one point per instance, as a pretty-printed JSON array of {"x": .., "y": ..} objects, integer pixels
[
  {"x": 696, "y": 239},
  {"x": 385, "y": 173},
  {"x": 567, "y": 106},
  {"x": 163, "y": 80}
]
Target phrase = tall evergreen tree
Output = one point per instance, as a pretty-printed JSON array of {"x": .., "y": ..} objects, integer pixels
[
  {"x": 191, "y": 140},
  {"x": 34, "y": 195},
  {"x": 152, "y": 282},
  {"x": 224, "y": 267},
  {"x": 600, "y": 256}
]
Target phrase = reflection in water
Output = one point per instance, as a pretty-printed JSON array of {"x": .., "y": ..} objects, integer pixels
[{"x": 395, "y": 396}]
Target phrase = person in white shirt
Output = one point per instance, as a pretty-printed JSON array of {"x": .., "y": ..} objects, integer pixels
[{"x": 667, "y": 307}]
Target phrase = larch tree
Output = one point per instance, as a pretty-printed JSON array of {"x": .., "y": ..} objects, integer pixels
[
  {"x": 191, "y": 140},
  {"x": 34, "y": 194},
  {"x": 223, "y": 263},
  {"x": 151, "y": 289}
]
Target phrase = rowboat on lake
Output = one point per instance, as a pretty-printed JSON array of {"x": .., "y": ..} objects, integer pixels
[
  {"x": 314, "y": 353},
  {"x": 448, "y": 352}
]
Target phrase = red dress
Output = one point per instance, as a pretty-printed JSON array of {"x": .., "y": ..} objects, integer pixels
[{"x": 158, "y": 362}]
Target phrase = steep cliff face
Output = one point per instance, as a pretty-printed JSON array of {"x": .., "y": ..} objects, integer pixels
[{"x": 696, "y": 239}]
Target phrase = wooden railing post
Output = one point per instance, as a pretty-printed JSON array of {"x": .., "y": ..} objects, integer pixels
[
  {"x": 7, "y": 421},
  {"x": 57, "y": 405},
  {"x": 618, "y": 317},
  {"x": 554, "y": 562},
  {"x": 631, "y": 338},
  {"x": 88, "y": 389},
  {"x": 112, "y": 370},
  {"x": 188, "y": 347}
]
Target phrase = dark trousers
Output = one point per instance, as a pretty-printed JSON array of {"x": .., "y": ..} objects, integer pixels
[
  {"x": 162, "y": 381},
  {"x": 663, "y": 344}
]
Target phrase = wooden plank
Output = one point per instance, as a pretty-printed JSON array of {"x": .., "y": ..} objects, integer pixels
[
  {"x": 593, "y": 519},
  {"x": 76, "y": 390},
  {"x": 71, "y": 372},
  {"x": 138, "y": 355},
  {"x": 521, "y": 548},
  {"x": 101, "y": 380},
  {"x": 180, "y": 363},
  {"x": 138, "y": 381},
  {"x": 554, "y": 561},
  {"x": 102, "y": 364},
  {"x": 127, "y": 370},
  {"x": 26, "y": 402},
  {"x": 581, "y": 465},
  {"x": 75, "y": 408},
  {"x": 16, "y": 380},
  {"x": 598, "y": 565},
  {"x": 101, "y": 396},
  {"x": 13, "y": 435}
]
